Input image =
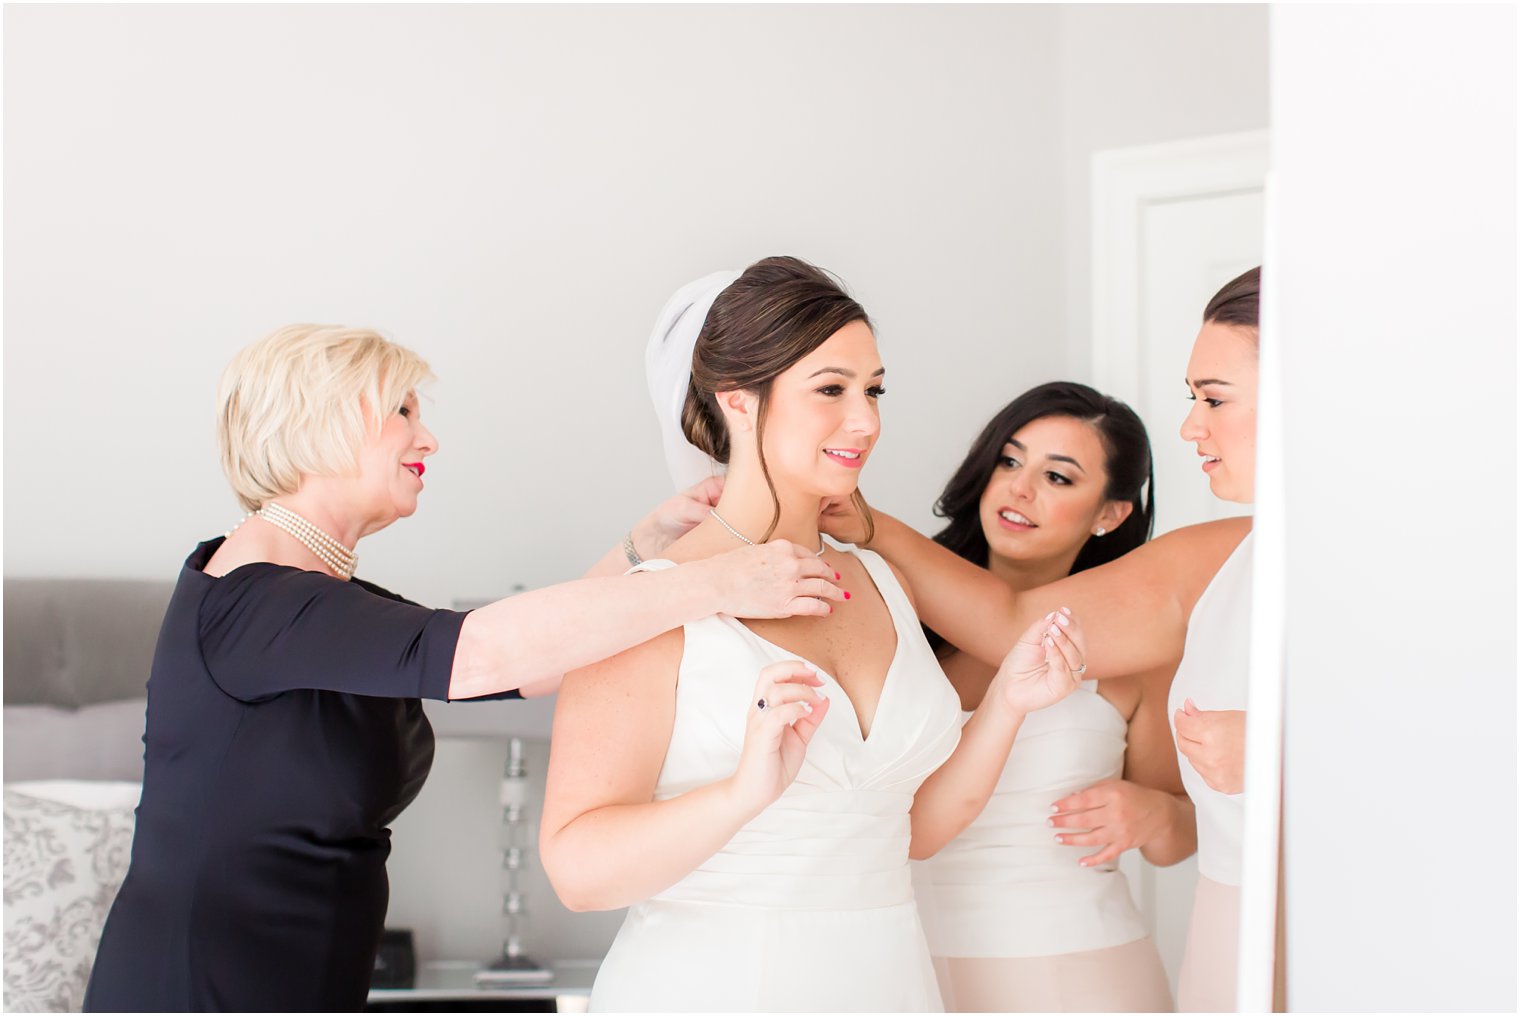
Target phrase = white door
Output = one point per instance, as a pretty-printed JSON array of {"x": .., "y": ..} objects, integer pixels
[{"x": 1172, "y": 223}]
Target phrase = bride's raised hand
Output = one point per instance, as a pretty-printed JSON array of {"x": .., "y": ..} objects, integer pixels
[
  {"x": 1045, "y": 665},
  {"x": 784, "y": 713}
]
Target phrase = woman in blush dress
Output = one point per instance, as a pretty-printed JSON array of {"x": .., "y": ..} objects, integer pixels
[
  {"x": 760, "y": 832},
  {"x": 1019, "y": 919},
  {"x": 1184, "y": 595}
]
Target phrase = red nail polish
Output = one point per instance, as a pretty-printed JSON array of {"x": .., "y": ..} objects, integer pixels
[
  {"x": 836, "y": 575},
  {"x": 846, "y": 595}
]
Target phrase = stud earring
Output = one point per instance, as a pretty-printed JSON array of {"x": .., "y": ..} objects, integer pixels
[{"x": 1100, "y": 531}]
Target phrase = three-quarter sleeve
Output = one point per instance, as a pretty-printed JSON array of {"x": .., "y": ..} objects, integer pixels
[{"x": 267, "y": 629}]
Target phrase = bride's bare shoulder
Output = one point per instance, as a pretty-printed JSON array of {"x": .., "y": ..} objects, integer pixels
[{"x": 639, "y": 670}]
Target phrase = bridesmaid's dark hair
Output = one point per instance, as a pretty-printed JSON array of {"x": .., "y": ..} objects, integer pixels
[
  {"x": 1238, "y": 302},
  {"x": 1130, "y": 475},
  {"x": 778, "y": 311}
]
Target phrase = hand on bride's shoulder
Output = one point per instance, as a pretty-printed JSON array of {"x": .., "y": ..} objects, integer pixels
[
  {"x": 839, "y": 518},
  {"x": 675, "y": 517}
]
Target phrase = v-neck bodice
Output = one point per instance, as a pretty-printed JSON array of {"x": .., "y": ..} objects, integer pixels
[
  {"x": 809, "y": 907},
  {"x": 847, "y": 812},
  {"x": 833, "y": 688}
]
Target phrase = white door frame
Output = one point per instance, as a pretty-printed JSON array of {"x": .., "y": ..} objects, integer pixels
[{"x": 1125, "y": 182}]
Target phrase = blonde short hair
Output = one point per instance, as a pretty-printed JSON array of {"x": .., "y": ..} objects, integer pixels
[{"x": 302, "y": 400}]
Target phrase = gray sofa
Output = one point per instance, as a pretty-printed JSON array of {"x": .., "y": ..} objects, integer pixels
[{"x": 77, "y": 655}]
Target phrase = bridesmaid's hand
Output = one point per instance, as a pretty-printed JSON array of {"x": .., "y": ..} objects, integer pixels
[
  {"x": 776, "y": 737},
  {"x": 839, "y": 518},
  {"x": 1214, "y": 741},
  {"x": 1114, "y": 815},
  {"x": 676, "y": 517},
  {"x": 1044, "y": 665}
]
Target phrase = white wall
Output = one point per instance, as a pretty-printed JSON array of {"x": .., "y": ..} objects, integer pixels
[
  {"x": 1395, "y": 134},
  {"x": 513, "y": 191}
]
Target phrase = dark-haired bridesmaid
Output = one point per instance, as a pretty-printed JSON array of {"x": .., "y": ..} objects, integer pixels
[{"x": 1056, "y": 483}]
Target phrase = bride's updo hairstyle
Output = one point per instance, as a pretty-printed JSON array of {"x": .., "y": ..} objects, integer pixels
[{"x": 773, "y": 315}]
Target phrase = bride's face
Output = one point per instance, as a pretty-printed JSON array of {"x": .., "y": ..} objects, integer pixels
[{"x": 824, "y": 418}]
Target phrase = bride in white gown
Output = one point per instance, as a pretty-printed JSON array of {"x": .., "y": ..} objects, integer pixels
[{"x": 759, "y": 831}]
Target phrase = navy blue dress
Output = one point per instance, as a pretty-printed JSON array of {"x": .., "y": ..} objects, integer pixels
[{"x": 284, "y": 734}]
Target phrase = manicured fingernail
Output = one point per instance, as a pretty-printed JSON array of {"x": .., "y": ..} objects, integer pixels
[
  {"x": 1054, "y": 630},
  {"x": 1085, "y": 863},
  {"x": 836, "y": 575},
  {"x": 1050, "y": 616},
  {"x": 807, "y": 707},
  {"x": 1055, "y": 807},
  {"x": 847, "y": 594},
  {"x": 1058, "y": 838},
  {"x": 1049, "y": 644},
  {"x": 1050, "y": 822},
  {"x": 1066, "y": 611},
  {"x": 1062, "y": 620}
]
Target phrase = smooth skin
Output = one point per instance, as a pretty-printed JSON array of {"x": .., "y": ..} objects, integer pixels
[
  {"x": 604, "y": 840},
  {"x": 528, "y": 641},
  {"x": 1135, "y": 609},
  {"x": 1043, "y": 502}
]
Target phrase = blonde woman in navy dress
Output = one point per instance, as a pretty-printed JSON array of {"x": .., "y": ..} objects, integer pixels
[
  {"x": 285, "y": 730},
  {"x": 1184, "y": 595},
  {"x": 1057, "y": 483}
]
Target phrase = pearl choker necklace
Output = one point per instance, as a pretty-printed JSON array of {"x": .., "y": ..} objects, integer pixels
[
  {"x": 724, "y": 523},
  {"x": 329, "y": 551}
]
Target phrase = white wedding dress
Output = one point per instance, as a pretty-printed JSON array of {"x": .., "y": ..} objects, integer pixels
[{"x": 810, "y": 906}]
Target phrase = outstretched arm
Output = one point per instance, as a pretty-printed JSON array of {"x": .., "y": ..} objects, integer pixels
[
  {"x": 529, "y": 640},
  {"x": 1135, "y": 610}
]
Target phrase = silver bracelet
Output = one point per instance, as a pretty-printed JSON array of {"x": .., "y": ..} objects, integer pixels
[{"x": 629, "y": 552}]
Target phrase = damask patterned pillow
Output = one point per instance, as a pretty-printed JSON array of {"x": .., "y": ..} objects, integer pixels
[{"x": 63, "y": 865}]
